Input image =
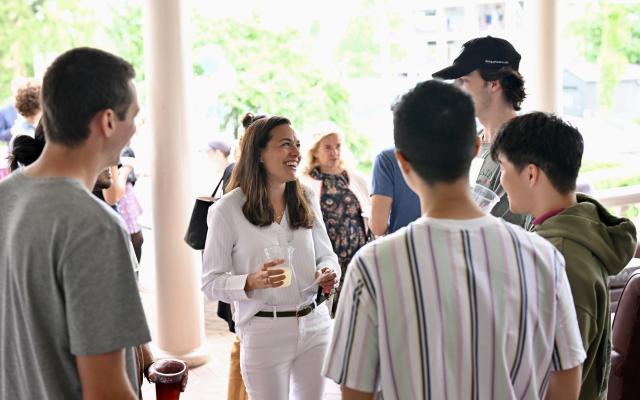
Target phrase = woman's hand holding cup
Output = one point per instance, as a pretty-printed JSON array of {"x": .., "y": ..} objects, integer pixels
[{"x": 267, "y": 276}]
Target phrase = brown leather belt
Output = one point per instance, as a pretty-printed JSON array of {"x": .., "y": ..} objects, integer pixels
[{"x": 297, "y": 313}]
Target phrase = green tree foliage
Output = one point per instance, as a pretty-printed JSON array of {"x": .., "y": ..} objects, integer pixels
[
  {"x": 373, "y": 40},
  {"x": 589, "y": 29},
  {"x": 359, "y": 50},
  {"x": 273, "y": 70},
  {"x": 127, "y": 35},
  {"x": 38, "y": 27},
  {"x": 273, "y": 74},
  {"x": 609, "y": 34},
  {"x": 359, "y": 145}
]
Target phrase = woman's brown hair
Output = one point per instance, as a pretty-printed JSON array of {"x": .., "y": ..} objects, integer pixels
[
  {"x": 26, "y": 149},
  {"x": 250, "y": 176}
]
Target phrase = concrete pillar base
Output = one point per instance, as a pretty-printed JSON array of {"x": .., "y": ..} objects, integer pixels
[{"x": 194, "y": 358}]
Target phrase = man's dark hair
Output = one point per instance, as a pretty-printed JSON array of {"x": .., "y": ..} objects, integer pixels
[
  {"x": 79, "y": 84},
  {"x": 546, "y": 141},
  {"x": 435, "y": 129},
  {"x": 511, "y": 81}
]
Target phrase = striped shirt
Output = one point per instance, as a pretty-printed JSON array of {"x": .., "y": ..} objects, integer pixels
[{"x": 455, "y": 309}]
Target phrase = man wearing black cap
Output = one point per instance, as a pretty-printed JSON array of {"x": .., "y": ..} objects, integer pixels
[{"x": 487, "y": 69}]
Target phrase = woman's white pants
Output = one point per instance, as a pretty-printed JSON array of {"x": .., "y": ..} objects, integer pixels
[{"x": 281, "y": 358}]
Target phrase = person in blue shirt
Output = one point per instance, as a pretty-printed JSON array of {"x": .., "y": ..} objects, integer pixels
[
  {"x": 8, "y": 116},
  {"x": 393, "y": 203}
]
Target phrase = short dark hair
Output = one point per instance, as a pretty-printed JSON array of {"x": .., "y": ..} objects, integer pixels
[
  {"x": 546, "y": 141},
  {"x": 511, "y": 81},
  {"x": 80, "y": 83},
  {"x": 435, "y": 129}
]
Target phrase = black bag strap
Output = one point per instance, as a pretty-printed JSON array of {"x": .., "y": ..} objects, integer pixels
[{"x": 217, "y": 187}]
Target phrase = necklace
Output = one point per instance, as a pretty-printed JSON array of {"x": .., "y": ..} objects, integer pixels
[{"x": 278, "y": 217}]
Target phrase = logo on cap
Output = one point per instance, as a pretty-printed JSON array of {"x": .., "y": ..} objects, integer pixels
[{"x": 486, "y": 52}]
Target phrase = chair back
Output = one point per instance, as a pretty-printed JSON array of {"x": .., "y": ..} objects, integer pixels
[
  {"x": 617, "y": 283},
  {"x": 624, "y": 378}
]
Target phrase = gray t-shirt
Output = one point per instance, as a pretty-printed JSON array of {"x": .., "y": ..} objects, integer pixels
[{"x": 67, "y": 287}]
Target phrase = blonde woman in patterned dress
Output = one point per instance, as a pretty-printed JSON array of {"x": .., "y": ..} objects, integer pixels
[{"x": 343, "y": 196}]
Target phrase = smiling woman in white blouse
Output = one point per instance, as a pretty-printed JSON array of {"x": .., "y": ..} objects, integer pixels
[{"x": 284, "y": 332}]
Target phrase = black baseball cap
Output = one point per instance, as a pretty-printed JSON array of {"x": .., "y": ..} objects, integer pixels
[{"x": 486, "y": 53}]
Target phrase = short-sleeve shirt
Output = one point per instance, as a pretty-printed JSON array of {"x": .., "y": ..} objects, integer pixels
[
  {"x": 8, "y": 116},
  {"x": 387, "y": 180},
  {"x": 455, "y": 309},
  {"x": 67, "y": 287}
]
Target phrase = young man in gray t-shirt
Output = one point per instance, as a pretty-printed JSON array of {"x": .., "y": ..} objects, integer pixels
[
  {"x": 69, "y": 304},
  {"x": 488, "y": 70}
]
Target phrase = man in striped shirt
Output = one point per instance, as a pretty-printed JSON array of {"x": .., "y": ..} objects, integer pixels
[{"x": 459, "y": 304}]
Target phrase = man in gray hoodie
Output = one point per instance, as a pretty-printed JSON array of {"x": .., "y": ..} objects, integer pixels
[{"x": 540, "y": 157}]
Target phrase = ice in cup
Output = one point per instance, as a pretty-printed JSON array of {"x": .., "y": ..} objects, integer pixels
[{"x": 283, "y": 252}]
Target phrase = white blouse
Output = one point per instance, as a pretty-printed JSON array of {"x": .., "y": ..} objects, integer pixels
[{"x": 235, "y": 248}]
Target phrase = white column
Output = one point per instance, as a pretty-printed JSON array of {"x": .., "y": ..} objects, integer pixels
[
  {"x": 540, "y": 63},
  {"x": 180, "y": 311}
]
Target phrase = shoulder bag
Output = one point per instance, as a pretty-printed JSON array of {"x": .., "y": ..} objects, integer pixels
[{"x": 197, "y": 230}]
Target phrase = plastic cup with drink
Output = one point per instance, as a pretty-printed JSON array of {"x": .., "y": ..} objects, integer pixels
[
  {"x": 484, "y": 197},
  {"x": 170, "y": 377},
  {"x": 284, "y": 252}
]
